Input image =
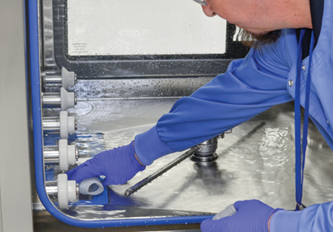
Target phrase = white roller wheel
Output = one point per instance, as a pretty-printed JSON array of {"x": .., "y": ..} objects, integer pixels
[
  {"x": 66, "y": 191},
  {"x": 68, "y": 78},
  {"x": 67, "y": 99},
  {"x": 63, "y": 118},
  {"x": 71, "y": 124},
  {"x": 71, "y": 154},
  {"x": 71, "y": 190},
  {"x": 66, "y": 154},
  {"x": 67, "y": 124},
  {"x": 63, "y": 155}
]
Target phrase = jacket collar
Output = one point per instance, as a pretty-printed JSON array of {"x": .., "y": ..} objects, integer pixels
[{"x": 317, "y": 10}]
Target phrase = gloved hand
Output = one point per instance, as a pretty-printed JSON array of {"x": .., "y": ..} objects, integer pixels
[
  {"x": 251, "y": 216},
  {"x": 118, "y": 166}
]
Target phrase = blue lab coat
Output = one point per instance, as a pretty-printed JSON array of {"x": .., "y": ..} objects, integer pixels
[{"x": 264, "y": 78}]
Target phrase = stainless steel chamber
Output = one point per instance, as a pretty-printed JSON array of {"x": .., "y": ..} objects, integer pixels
[{"x": 121, "y": 96}]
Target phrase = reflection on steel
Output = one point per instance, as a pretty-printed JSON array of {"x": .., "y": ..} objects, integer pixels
[
  {"x": 77, "y": 191},
  {"x": 51, "y": 99},
  {"x": 51, "y": 124},
  {"x": 206, "y": 152},
  {"x": 50, "y": 65},
  {"x": 208, "y": 173},
  {"x": 51, "y": 188},
  {"x": 152, "y": 177},
  {"x": 54, "y": 82},
  {"x": 52, "y": 79},
  {"x": 244, "y": 138},
  {"x": 76, "y": 153},
  {"x": 51, "y": 154}
]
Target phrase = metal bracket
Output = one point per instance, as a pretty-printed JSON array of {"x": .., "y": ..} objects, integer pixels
[{"x": 300, "y": 207}]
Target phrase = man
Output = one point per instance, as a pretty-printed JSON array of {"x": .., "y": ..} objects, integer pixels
[{"x": 274, "y": 72}]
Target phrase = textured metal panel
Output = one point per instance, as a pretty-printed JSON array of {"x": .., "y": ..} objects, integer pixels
[
  {"x": 138, "y": 88},
  {"x": 48, "y": 37},
  {"x": 15, "y": 196}
]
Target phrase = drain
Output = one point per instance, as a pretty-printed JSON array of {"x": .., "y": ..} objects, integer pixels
[{"x": 206, "y": 151}]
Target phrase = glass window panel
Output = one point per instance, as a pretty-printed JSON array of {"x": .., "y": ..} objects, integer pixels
[{"x": 142, "y": 27}]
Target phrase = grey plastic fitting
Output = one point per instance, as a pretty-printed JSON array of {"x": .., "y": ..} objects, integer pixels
[
  {"x": 67, "y": 79},
  {"x": 63, "y": 154},
  {"x": 65, "y": 99},
  {"x": 65, "y": 124}
]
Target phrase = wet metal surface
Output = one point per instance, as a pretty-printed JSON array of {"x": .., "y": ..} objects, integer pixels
[
  {"x": 43, "y": 221},
  {"x": 256, "y": 161},
  {"x": 138, "y": 88}
]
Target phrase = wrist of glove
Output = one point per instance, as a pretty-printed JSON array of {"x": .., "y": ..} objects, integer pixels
[
  {"x": 118, "y": 166},
  {"x": 251, "y": 216}
]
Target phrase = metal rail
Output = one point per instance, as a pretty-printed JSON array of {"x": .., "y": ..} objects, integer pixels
[{"x": 153, "y": 176}]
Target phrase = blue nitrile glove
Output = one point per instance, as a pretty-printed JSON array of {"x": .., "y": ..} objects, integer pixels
[
  {"x": 118, "y": 166},
  {"x": 251, "y": 216}
]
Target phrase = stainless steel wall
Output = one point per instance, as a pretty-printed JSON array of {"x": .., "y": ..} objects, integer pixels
[{"x": 15, "y": 190}]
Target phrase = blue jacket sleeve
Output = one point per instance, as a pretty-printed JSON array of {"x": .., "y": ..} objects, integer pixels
[
  {"x": 249, "y": 87},
  {"x": 317, "y": 217}
]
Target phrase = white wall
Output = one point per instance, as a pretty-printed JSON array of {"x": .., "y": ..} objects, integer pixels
[
  {"x": 15, "y": 185},
  {"x": 131, "y": 27}
]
